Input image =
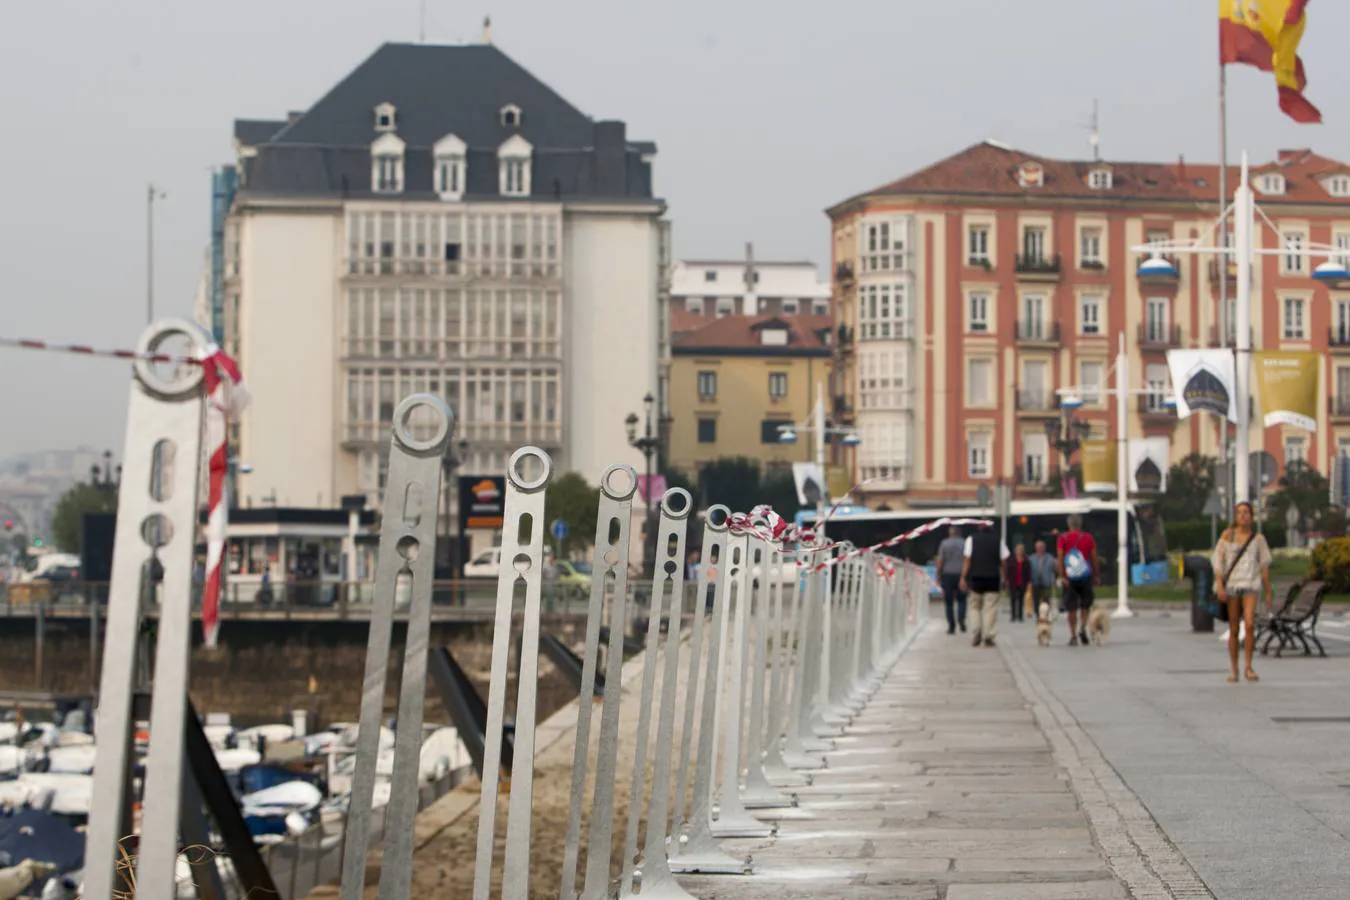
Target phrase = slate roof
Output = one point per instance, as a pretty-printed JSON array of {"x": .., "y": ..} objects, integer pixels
[
  {"x": 991, "y": 169},
  {"x": 807, "y": 336},
  {"x": 438, "y": 90}
]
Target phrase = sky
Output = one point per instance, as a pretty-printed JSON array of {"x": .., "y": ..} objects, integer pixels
[{"x": 761, "y": 122}]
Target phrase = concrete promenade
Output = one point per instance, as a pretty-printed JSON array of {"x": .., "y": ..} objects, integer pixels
[{"x": 959, "y": 781}]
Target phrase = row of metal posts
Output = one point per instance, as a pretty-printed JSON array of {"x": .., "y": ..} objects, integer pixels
[{"x": 770, "y": 677}]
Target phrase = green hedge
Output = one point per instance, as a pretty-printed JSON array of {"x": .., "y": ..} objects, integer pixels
[
  {"x": 1331, "y": 563},
  {"x": 1192, "y": 535}
]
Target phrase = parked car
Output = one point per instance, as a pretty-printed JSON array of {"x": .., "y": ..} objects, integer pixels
[{"x": 488, "y": 563}]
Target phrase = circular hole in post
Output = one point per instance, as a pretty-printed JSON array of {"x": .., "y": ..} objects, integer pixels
[
  {"x": 529, "y": 469},
  {"x": 677, "y": 503},
  {"x": 408, "y": 547},
  {"x": 167, "y": 357},
  {"x": 672, "y": 567},
  {"x": 718, "y": 516},
  {"x": 611, "y": 557},
  {"x": 619, "y": 482},
  {"x": 522, "y": 563},
  {"x": 422, "y": 422},
  {"x": 156, "y": 530}
]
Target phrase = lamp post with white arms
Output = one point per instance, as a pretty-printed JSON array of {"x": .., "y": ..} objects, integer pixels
[
  {"x": 1244, "y": 212},
  {"x": 787, "y": 434}
]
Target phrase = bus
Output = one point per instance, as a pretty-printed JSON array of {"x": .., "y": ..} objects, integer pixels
[{"x": 1028, "y": 522}]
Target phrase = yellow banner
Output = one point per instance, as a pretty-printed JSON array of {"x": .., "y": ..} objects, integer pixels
[
  {"x": 1099, "y": 467},
  {"x": 1286, "y": 382}
]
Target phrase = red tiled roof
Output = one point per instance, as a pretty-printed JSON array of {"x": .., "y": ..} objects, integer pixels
[
  {"x": 991, "y": 168},
  {"x": 682, "y": 320},
  {"x": 743, "y": 333}
]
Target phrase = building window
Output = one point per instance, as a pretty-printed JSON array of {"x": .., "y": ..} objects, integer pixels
[
  {"x": 707, "y": 431},
  {"x": 725, "y": 306},
  {"x": 770, "y": 429},
  {"x": 710, "y": 275},
  {"x": 1294, "y": 320},
  {"x": 1155, "y": 386},
  {"x": 707, "y": 385},
  {"x": 978, "y": 446},
  {"x": 1035, "y": 452},
  {"x": 778, "y": 385},
  {"x": 882, "y": 377},
  {"x": 977, "y": 240},
  {"x": 1090, "y": 247},
  {"x": 1034, "y": 325},
  {"x": 1295, "y": 451},
  {"x": 694, "y": 305},
  {"x": 884, "y": 246},
  {"x": 1156, "y": 315},
  {"x": 821, "y": 307},
  {"x": 1090, "y": 314},
  {"x": 979, "y": 313},
  {"x": 388, "y": 174},
  {"x": 790, "y": 307},
  {"x": 1338, "y": 186},
  {"x": 515, "y": 177},
  {"x": 1272, "y": 183},
  {"x": 1099, "y": 179},
  {"x": 1340, "y": 326},
  {"x": 511, "y": 116},
  {"x": 979, "y": 382},
  {"x": 1090, "y": 377},
  {"x": 450, "y": 177},
  {"x": 1030, "y": 174},
  {"x": 882, "y": 312},
  {"x": 386, "y": 117},
  {"x": 884, "y": 452},
  {"x": 1033, "y": 244},
  {"x": 1292, "y": 260}
]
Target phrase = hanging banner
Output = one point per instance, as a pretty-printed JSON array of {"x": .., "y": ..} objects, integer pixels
[
  {"x": 810, "y": 481},
  {"x": 1148, "y": 461},
  {"x": 1203, "y": 381},
  {"x": 1099, "y": 467},
  {"x": 1286, "y": 382}
]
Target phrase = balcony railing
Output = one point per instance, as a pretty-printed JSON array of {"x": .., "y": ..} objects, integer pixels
[
  {"x": 1153, "y": 335},
  {"x": 1037, "y": 400},
  {"x": 1037, "y": 331},
  {"x": 1214, "y": 271},
  {"x": 1338, "y": 338},
  {"x": 1038, "y": 266},
  {"x": 1214, "y": 333},
  {"x": 510, "y": 434},
  {"x": 1151, "y": 407},
  {"x": 437, "y": 268},
  {"x": 1338, "y": 407},
  {"x": 843, "y": 273}
]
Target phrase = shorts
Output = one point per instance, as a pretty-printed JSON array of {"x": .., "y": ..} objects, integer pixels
[{"x": 1077, "y": 596}]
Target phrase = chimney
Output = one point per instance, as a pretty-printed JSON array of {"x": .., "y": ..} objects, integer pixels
[
  {"x": 487, "y": 29},
  {"x": 1290, "y": 156},
  {"x": 1181, "y": 166}
]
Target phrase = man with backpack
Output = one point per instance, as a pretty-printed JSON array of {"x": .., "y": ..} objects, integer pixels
[{"x": 1080, "y": 568}]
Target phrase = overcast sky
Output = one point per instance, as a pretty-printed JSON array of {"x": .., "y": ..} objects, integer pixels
[{"x": 764, "y": 113}]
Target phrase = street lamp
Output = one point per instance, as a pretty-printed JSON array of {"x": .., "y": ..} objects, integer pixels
[
  {"x": 1067, "y": 434},
  {"x": 451, "y": 462},
  {"x": 647, "y": 445},
  {"x": 787, "y": 434}
]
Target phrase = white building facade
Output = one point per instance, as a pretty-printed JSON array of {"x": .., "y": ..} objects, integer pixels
[
  {"x": 716, "y": 288},
  {"x": 487, "y": 243}
]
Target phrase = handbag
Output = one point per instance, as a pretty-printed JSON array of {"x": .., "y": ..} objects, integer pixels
[{"x": 1220, "y": 610}]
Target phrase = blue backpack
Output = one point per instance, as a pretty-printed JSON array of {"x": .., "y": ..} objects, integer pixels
[{"x": 1076, "y": 566}]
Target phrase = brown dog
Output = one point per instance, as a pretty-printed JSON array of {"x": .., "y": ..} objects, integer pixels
[
  {"x": 1099, "y": 625},
  {"x": 1043, "y": 625}
]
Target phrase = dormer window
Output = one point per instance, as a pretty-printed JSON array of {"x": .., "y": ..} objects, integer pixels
[
  {"x": 1030, "y": 174},
  {"x": 386, "y": 165},
  {"x": 1271, "y": 183},
  {"x": 513, "y": 161},
  {"x": 386, "y": 117},
  {"x": 449, "y": 154},
  {"x": 1338, "y": 185},
  {"x": 1100, "y": 179},
  {"x": 510, "y": 116}
]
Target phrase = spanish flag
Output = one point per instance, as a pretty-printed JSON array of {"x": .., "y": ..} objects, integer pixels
[{"x": 1266, "y": 34}]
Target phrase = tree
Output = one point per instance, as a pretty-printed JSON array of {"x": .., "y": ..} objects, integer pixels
[
  {"x": 1189, "y": 485},
  {"x": 574, "y": 501},
  {"x": 779, "y": 490},
  {"x": 1304, "y": 488},
  {"x": 68, "y": 519},
  {"x": 733, "y": 481}
]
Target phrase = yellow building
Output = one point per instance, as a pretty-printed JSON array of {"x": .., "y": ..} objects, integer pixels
[{"x": 735, "y": 380}]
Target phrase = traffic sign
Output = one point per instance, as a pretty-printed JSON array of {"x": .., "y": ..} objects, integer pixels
[{"x": 559, "y": 529}]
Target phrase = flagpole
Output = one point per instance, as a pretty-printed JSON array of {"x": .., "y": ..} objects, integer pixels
[{"x": 1221, "y": 270}]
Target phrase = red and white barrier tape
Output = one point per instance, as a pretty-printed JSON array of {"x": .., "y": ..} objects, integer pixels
[{"x": 82, "y": 350}]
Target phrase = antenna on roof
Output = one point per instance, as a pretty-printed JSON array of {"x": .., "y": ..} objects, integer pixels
[
  {"x": 1095, "y": 138},
  {"x": 487, "y": 29},
  {"x": 422, "y": 23}
]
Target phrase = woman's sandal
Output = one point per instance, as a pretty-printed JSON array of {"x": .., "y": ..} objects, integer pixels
[
  {"x": 1252, "y": 676},
  {"x": 1232, "y": 678}
]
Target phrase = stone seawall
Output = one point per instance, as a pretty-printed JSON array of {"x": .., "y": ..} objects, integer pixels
[{"x": 262, "y": 670}]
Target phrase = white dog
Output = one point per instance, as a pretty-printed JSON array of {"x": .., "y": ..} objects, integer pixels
[
  {"x": 1043, "y": 624},
  {"x": 1099, "y": 625}
]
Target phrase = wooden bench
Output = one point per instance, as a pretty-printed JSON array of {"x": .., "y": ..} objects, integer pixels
[{"x": 1296, "y": 623}]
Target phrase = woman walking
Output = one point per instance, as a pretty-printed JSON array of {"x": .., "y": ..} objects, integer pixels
[
  {"x": 1019, "y": 582},
  {"x": 1241, "y": 571}
]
